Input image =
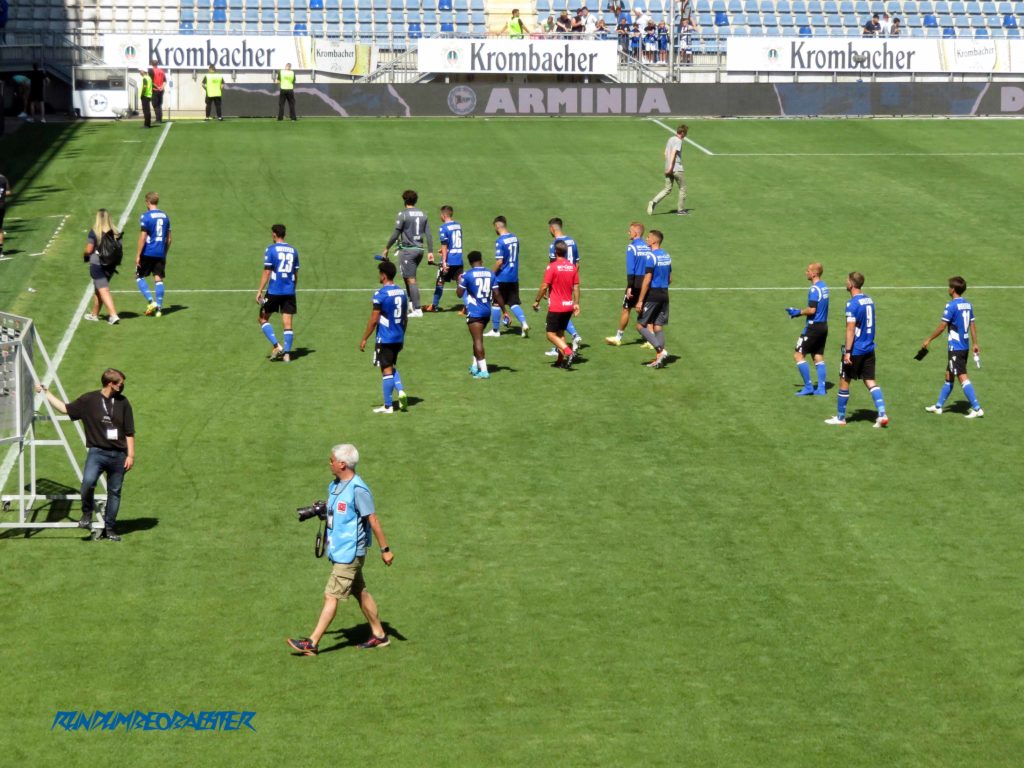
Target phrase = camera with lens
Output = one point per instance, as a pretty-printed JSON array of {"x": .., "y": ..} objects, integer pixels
[{"x": 317, "y": 509}]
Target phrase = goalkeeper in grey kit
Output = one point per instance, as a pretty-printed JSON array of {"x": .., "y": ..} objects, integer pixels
[{"x": 411, "y": 227}]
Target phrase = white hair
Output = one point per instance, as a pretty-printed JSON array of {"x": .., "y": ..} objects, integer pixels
[{"x": 346, "y": 452}]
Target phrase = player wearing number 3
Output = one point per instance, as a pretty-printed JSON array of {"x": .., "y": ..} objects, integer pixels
[
  {"x": 859, "y": 351},
  {"x": 389, "y": 318},
  {"x": 280, "y": 276}
]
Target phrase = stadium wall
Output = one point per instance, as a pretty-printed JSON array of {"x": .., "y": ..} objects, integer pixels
[{"x": 698, "y": 99}]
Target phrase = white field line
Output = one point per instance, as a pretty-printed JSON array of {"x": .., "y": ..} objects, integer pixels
[
  {"x": 723, "y": 289},
  {"x": 63, "y": 220},
  {"x": 688, "y": 140},
  {"x": 76, "y": 319}
]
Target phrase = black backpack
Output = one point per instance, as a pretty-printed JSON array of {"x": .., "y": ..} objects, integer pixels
[{"x": 109, "y": 250}]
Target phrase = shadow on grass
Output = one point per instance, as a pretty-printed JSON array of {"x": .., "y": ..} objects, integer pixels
[{"x": 349, "y": 637}]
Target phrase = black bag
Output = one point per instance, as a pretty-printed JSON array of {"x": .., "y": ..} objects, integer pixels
[{"x": 109, "y": 250}]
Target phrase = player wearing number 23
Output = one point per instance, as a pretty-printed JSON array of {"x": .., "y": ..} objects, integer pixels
[
  {"x": 958, "y": 322},
  {"x": 859, "y": 351},
  {"x": 280, "y": 277}
]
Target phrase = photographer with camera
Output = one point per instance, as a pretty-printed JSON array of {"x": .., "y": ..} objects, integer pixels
[{"x": 351, "y": 523}]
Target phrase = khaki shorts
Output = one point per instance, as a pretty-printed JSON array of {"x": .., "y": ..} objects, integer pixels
[{"x": 345, "y": 579}]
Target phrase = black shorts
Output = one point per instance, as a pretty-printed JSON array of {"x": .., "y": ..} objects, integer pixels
[
  {"x": 632, "y": 292},
  {"x": 451, "y": 275},
  {"x": 812, "y": 340},
  {"x": 957, "y": 362},
  {"x": 859, "y": 367},
  {"x": 478, "y": 320},
  {"x": 151, "y": 266},
  {"x": 557, "y": 322},
  {"x": 386, "y": 355},
  {"x": 283, "y": 303},
  {"x": 509, "y": 293},
  {"x": 654, "y": 313},
  {"x": 3, "y": 210}
]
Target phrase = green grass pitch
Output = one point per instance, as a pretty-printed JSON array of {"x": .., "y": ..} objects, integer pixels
[{"x": 610, "y": 566}]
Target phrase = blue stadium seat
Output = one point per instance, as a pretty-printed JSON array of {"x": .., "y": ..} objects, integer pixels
[
  {"x": 769, "y": 20},
  {"x": 786, "y": 20},
  {"x": 444, "y": 5},
  {"x": 930, "y": 20},
  {"x": 735, "y": 6},
  {"x": 1013, "y": 32},
  {"x": 957, "y": 8},
  {"x": 1009, "y": 21},
  {"x": 186, "y": 28},
  {"x": 948, "y": 32},
  {"x": 415, "y": 31},
  {"x": 782, "y": 6},
  {"x": 220, "y": 3},
  {"x": 830, "y": 6},
  {"x": 447, "y": 27},
  {"x": 187, "y": 14},
  {"x": 220, "y": 16},
  {"x": 749, "y": 6},
  {"x": 721, "y": 19},
  {"x": 300, "y": 30},
  {"x": 754, "y": 20},
  {"x": 941, "y": 8},
  {"x": 316, "y": 5},
  {"x": 799, "y": 6},
  {"x": 805, "y": 31}
]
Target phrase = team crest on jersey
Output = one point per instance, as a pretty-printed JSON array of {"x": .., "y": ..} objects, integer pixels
[{"x": 342, "y": 506}]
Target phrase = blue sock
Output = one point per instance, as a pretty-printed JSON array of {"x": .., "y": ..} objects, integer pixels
[
  {"x": 805, "y": 372},
  {"x": 144, "y": 288},
  {"x": 268, "y": 331},
  {"x": 520, "y": 315},
  {"x": 841, "y": 402},
  {"x": 944, "y": 393},
  {"x": 160, "y": 293},
  {"x": 876, "y": 395},
  {"x": 288, "y": 337},
  {"x": 969, "y": 391},
  {"x": 388, "y": 385},
  {"x": 496, "y": 317},
  {"x": 438, "y": 291},
  {"x": 571, "y": 329},
  {"x": 820, "y": 370},
  {"x": 398, "y": 380}
]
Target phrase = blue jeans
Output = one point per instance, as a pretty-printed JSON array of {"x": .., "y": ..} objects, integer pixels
[{"x": 112, "y": 463}]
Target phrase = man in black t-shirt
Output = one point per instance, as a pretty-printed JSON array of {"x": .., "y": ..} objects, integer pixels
[{"x": 109, "y": 425}]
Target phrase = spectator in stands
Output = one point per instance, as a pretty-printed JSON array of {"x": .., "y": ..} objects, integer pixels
[
  {"x": 641, "y": 18},
  {"x": 650, "y": 43},
  {"x": 589, "y": 21},
  {"x": 662, "y": 42},
  {"x": 872, "y": 27},
  {"x": 634, "y": 41},
  {"x": 896, "y": 29},
  {"x": 548, "y": 28},
  {"x": 886, "y": 25},
  {"x": 515, "y": 27},
  {"x": 577, "y": 24},
  {"x": 687, "y": 29},
  {"x": 213, "y": 85},
  {"x": 622, "y": 31},
  {"x": 37, "y": 93},
  {"x": 564, "y": 23},
  {"x": 614, "y": 7},
  {"x": 159, "y": 82},
  {"x": 601, "y": 32}
]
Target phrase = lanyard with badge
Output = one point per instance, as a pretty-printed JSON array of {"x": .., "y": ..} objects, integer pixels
[{"x": 108, "y": 421}]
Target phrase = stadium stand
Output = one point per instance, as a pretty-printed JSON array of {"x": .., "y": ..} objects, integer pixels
[{"x": 382, "y": 21}]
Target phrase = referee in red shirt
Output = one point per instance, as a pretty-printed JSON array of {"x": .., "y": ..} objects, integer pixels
[{"x": 562, "y": 285}]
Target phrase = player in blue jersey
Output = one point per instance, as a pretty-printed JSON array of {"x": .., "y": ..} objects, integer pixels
[
  {"x": 475, "y": 288},
  {"x": 815, "y": 333},
  {"x": 573, "y": 250},
  {"x": 388, "y": 318},
  {"x": 652, "y": 302},
  {"x": 280, "y": 277},
  {"x": 637, "y": 253},
  {"x": 859, "y": 351},
  {"x": 450, "y": 236},
  {"x": 506, "y": 278},
  {"x": 958, "y": 323},
  {"x": 151, "y": 258}
]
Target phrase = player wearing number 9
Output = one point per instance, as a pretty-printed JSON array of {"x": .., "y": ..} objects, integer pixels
[{"x": 859, "y": 351}]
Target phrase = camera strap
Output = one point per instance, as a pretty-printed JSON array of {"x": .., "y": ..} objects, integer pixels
[{"x": 320, "y": 546}]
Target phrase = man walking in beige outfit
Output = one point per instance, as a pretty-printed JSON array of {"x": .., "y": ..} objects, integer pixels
[{"x": 673, "y": 172}]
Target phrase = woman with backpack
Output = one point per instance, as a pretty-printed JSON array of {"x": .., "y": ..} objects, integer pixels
[{"x": 103, "y": 254}]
